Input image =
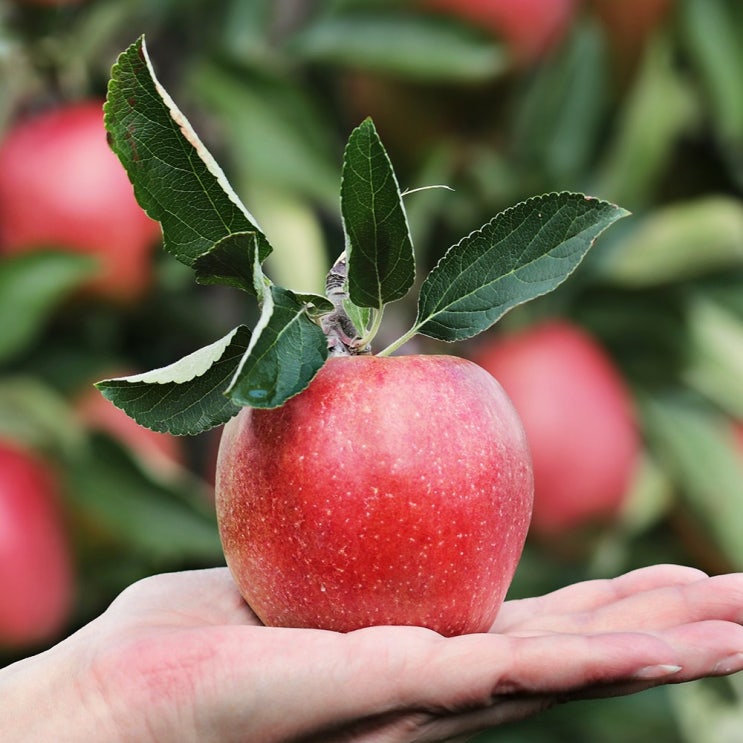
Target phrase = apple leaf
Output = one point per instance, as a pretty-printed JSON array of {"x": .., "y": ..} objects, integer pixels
[
  {"x": 233, "y": 261},
  {"x": 186, "y": 397},
  {"x": 166, "y": 523},
  {"x": 522, "y": 253},
  {"x": 176, "y": 180},
  {"x": 381, "y": 265},
  {"x": 31, "y": 286},
  {"x": 400, "y": 44},
  {"x": 697, "y": 448},
  {"x": 287, "y": 349}
]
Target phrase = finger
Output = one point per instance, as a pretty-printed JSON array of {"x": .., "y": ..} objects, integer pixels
[
  {"x": 720, "y": 597},
  {"x": 328, "y": 679},
  {"x": 589, "y": 595},
  {"x": 462, "y": 727},
  {"x": 192, "y": 597},
  {"x": 699, "y": 650}
]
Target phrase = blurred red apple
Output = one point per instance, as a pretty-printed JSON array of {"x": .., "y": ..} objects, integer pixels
[
  {"x": 36, "y": 574},
  {"x": 531, "y": 28},
  {"x": 62, "y": 187},
  {"x": 579, "y": 422},
  {"x": 391, "y": 491},
  {"x": 162, "y": 453}
]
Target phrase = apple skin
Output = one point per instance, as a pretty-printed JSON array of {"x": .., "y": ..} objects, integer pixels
[
  {"x": 36, "y": 573},
  {"x": 579, "y": 421},
  {"x": 391, "y": 491},
  {"x": 62, "y": 187},
  {"x": 531, "y": 28}
]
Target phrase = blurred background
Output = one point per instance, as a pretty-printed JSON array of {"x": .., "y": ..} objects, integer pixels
[{"x": 629, "y": 377}]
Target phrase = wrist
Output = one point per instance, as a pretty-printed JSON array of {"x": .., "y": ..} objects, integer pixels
[{"x": 49, "y": 696}]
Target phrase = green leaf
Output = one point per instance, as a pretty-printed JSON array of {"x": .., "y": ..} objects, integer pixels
[
  {"x": 659, "y": 111},
  {"x": 359, "y": 316},
  {"x": 277, "y": 134},
  {"x": 412, "y": 45},
  {"x": 698, "y": 449},
  {"x": 381, "y": 265},
  {"x": 560, "y": 118},
  {"x": 161, "y": 522},
  {"x": 315, "y": 305},
  {"x": 712, "y": 33},
  {"x": 233, "y": 261},
  {"x": 522, "y": 253},
  {"x": 175, "y": 178},
  {"x": 715, "y": 354},
  {"x": 681, "y": 241},
  {"x": 33, "y": 413},
  {"x": 287, "y": 350},
  {"x": 186, "y": 397},
  {"x": 31, "y": 286}
]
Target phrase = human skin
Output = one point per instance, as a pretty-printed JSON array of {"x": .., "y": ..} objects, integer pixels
[{"x": 180, "y": 657}]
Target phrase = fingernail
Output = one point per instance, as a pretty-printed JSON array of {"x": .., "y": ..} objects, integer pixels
[
  {"x": 656, "y": 672},
  {"x": 731, "y": 664}
]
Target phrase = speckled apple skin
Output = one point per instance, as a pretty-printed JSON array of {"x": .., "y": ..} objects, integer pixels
[{"x": 391, "y": 491}]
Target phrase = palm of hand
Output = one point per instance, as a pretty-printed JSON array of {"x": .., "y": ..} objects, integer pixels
[{"x": 189, "y": 656}]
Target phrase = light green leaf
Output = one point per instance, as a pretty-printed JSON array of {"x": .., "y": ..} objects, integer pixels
[
  {"x": 712, "y": 33},
  {"x": 715, "y": 354},
  {"x": 359, "y": 316},
  {"x": 277, "y": 133},
  {"x": 36, "y": 415},
  {"x": 381, "y": 265},
  {"x": 678, "y": 242},
  {"x": 524, "y": 252},
  {"x": 186, "y": 397},
  {"x": 660, "y": 109},
  {"x": 176, "y": 180},
  {"x": 411, "y": 45},
  {"x": 164, "y": 523},
  {"x": 698, "y": 449},
  {"x": 31, "y": 286},
  {"x": 287, "y": 350}
]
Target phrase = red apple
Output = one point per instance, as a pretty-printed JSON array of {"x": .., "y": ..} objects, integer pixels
[
  {"x": 36, "y": 575},
  {"x": 531, "y": 28},
  {"x": 162, "y": 453},
  {"x": 393, "y": 490},
  {"x": 62, "y": 187},
  {"x": 579, "y": 422}
]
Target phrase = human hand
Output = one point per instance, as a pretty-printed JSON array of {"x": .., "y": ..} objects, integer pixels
[{"x": 180, "y": 657}]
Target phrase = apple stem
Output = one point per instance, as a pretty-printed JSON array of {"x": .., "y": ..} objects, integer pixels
[
  {"x": 373, "y": 330},
  {"x": 402, "y": 340},
  {"x": 343, "y": 336}
]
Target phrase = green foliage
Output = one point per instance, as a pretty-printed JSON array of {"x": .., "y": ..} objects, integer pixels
[
  {"x": 273, "y": 90},
  {"x": 31, "y": 286},
  {"x": 401, "y": 43},
  {"x": 175, "y": 178},
  {"x": 523, "y": 253},
  {"x": 381, "y": 263},
  {"x": 197, "y": 381}
]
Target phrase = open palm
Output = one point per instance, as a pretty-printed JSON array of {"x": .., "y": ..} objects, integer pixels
[{"x": 180, "y": 657}]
